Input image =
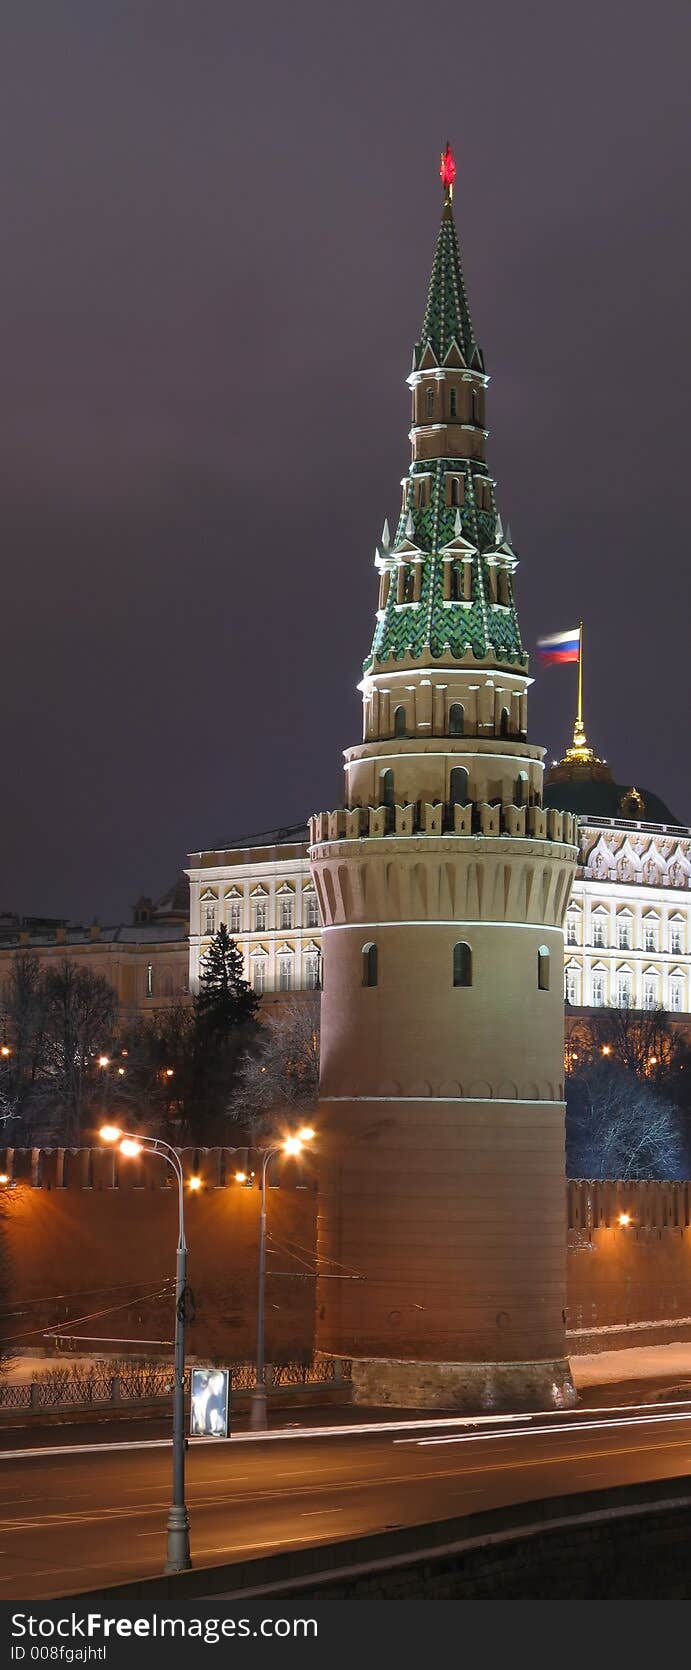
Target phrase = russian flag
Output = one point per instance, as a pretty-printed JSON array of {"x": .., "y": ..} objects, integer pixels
[{"x": 562, "y": 646}]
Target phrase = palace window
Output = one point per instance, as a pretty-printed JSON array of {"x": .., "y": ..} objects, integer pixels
[
  {"x": 649, "y": 937},
  {"x": 598, "y": 991},
  {"x": 571, "y": 931},
  {"x": 462, "y": 964},
  {"x": 209, "y": 919},
  {"x": 571, "y": 986},
  {"x": 312, "y": 961},
  {"x": 260, "y": 913},
  {"x": 234, "y": 917},
  {"x": 258, "y": 974},
  {"x": 311, "y": 910},
  {"x": 624, "y": 997},
  {"x": 675, "y": 996},
  {"x": 543, "y": 969},
  {"x": 369, "y": 965},
  {"x": 285, "y": 913},
  {"x": 675, "y": 940},
  {"x": 624, "y": 936},
  {"x": 650, "y": 992},
  {"x": 285, "y": 974},
  {"x": 598, "y": 932}
]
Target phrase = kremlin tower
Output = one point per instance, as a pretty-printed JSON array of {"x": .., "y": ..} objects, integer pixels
[{"x": 443, "y": 885}]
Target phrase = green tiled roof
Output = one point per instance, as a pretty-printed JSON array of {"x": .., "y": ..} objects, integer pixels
[
  {"x": 434, "y": 627},
  {"x": 447, "y": 315}
]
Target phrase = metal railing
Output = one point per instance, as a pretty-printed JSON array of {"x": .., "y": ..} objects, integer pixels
[{"x": 123, "y": 1384}]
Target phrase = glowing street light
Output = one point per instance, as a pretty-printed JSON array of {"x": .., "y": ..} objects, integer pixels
[
  {"x": 241, "y": 1176},
  {"x": 624, "y": 1219},
  {"x": 178, "y": 1524},
  {"x": 5, "y": 1050},
  {"x": 104, "y": 1061},
  {"x": 194, "y": 1183},
  {"x": 291, "y": 1146}
]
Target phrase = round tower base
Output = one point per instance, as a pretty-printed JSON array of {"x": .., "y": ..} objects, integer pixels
[{"x": 472, "y": 1388}]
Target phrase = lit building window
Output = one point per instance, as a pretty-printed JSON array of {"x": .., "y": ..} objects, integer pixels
[
  {"x": 649, "y": 938},
  {"x": 258, "y": 975},
  {"x": 624, "y": 936},
  {"x": 543, "y": 969},
  {"x": 234, "y": 918},
  {"x": 311, "y": 909},
  {"x": 650, "y": 992},
  {"x": 312, "y": 961},
  {"x": 676, "y": 996},
  {"x": 571, "y": 931},
  {"x": 285, "y": 974},
  {"x": 675, "y": 940},
  {"x": 209, "y": 919},
  {"x": 260, "y": 914},
  {"x": 571, "y": 985},
  {"x": 598, "y": 991},
  {"x": 598, "y": 932},
  {"x": 624, "y": 991},
  {"x": 285, "y": 913}
]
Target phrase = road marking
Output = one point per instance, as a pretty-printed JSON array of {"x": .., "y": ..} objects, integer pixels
[
  {"x": 582, "y": 1426},
  {"x": 315, "y": 1513}
]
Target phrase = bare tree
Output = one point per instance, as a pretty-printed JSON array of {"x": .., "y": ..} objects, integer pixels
[
  {"x": 281, "y": 1075},
  {"x": 641, "y": 1040},
  {"x": 621, "y": 1125},
  {"x": 81, "y": 1010}
]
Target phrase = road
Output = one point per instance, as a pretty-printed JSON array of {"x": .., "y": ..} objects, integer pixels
[{"x": 76, "y": 1517}]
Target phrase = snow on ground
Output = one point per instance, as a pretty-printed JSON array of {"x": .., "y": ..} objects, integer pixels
[{"x": 638, "y": 1362}]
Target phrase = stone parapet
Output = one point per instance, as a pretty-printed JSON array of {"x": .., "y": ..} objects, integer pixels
[
  {"x": 536, "y": 823},
  {"x": 469, "y": 1387}
]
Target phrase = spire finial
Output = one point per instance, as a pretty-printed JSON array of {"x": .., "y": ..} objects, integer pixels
[{"x": 447, "y": 171}]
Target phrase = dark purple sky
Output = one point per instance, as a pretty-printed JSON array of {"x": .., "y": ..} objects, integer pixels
[{"x": 217, "y": 228}]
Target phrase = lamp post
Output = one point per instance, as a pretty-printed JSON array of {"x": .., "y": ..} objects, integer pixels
[
  {"x": 178, "y": 1523},
  {"x": 291, "y": 1145}
]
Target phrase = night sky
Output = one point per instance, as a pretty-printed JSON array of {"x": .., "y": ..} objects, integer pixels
[{"x": 217, "y": 228}]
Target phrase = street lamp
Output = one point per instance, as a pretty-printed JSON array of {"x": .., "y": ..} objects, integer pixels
[
  {"x": 178, "y": 1524},
  {"x": 291, "y": 1146}
]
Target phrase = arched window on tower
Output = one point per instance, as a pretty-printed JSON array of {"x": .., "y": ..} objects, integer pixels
[
  {"x": 386, "y": 788},
  {"x": 369, "y": 964},
  {"x": 504, "y": 722},
  {"x": 399, "y": 722},
  {"x": 456, "y": 720},
  {"x": 429, "y": 402},
  {"x": 453, "y": 407},
  {"x": 455, "y": 491},
  {"x": 458, "y": 786},
  {"x": 462, "y": 964},
  {"x": 543, "y": 969},
  {"x": 522, "y": 789},
  {"x": 409, "y": 591}
]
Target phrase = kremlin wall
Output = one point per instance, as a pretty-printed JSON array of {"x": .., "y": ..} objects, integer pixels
[{"x": 111, "y": 1237}]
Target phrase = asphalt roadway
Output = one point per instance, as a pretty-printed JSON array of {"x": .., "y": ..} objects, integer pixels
[{"x": 77, "y": 1515}]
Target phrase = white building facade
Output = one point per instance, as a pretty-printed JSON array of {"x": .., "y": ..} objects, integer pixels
[
  {"x": 262, "y": 890},
  {"x": 628, "y": 926},
  {"x": 627, "y": 934}
]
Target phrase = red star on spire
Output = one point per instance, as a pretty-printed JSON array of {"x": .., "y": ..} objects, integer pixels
[{"x": 447, "y": 170}]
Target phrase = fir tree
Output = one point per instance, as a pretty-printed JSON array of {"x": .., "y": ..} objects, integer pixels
[{"x": 225, "y": 999}]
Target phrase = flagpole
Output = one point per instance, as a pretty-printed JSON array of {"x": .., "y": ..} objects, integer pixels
[{"x": 579, "y": 719}]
